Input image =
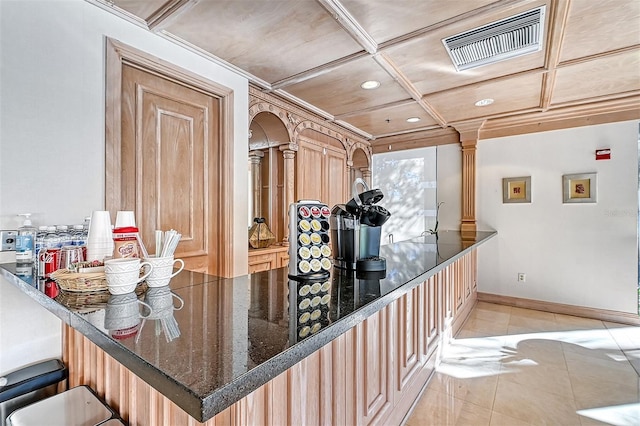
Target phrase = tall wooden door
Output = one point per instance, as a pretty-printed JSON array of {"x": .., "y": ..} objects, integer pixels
[
  {"x": 321, "y": 174},
  {"x": 309, "y": 176},
  {"x": 169, "y": 153},
  {"x": 335, "y": 190}
]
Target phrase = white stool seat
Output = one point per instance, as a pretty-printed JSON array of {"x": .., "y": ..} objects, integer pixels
[{"x": 76, "y": 407}]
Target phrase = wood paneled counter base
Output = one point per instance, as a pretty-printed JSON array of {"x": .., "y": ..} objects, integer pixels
[{"x": 366, "y": 364}]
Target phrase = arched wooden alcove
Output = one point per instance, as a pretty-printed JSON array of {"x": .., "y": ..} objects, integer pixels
[{"x": 268, "y": 134}]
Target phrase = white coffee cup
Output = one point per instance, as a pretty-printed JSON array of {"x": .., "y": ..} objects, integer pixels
[
  {"x": 123, "y": 274},
  {"x": 161, "y": 301},
  {"x": 162, "y": 270},
  {"x": 122, "y": 315}
]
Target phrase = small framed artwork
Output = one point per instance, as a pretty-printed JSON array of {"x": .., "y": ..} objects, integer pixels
[
  {"x": 516, "y": 190},
  {"x": 579, "y": 188}
]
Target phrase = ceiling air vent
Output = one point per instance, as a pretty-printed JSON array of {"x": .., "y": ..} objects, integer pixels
[{"x": 500, "y": 40}]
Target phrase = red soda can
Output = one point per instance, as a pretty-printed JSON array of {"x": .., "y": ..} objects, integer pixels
[
  {"x": 51, "y": 289},
  {"x": 49, "y": 261}
]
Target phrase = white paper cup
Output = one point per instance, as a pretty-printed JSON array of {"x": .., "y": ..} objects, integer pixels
[
  {"x": 100, "y": 226},
  {"x": 123, "y": 274},
  {"x": 124, "y": 219},
  {"x": 98, "y": 252},
  {"x": 162, "y": 270}
]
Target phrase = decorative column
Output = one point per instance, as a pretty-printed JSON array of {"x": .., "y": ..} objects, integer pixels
[
  {"x": 469, "y": 136},
  {"x": 366, "y": 175},
  {"x": 255, "y": 158},
  {"x": 289, "y": 154},
  {"x": 468, "y": 225},
  {"x": 350, "y": 176}
]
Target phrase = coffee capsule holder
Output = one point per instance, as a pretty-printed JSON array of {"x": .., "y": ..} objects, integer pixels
[
  {"x": 309, "y": 241},
  {"x": 309, "y": 302}
]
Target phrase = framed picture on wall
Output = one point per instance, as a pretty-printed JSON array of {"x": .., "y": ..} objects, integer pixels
[
  {"x": 516, "y": 190},
  {"x": 579, "y": 188}
]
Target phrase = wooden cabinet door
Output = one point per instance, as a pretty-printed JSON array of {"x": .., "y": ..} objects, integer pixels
[
  {"x": 321, "y": 174},
  {"x": 335, "y": 181},
  {"x": 432, "y": 313},
  {"x": 169, "y": 152},
  {"x": 309, "y": 176},
  {"x": 409, "y": 323},
  {"x": 375, "y": 369}
]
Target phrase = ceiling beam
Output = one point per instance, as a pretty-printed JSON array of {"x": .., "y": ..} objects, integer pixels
[
  {"x": 168, "y": 12},
  {"x": 350, "y": 25},
  {"x": 390, "y": 67},
  {"x": 555, "y": 36}
]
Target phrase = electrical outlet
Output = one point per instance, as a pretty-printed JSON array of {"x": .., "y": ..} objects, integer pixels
[
  {"x": 522, "y": 277},
  {"x": 8, "y": 240}
]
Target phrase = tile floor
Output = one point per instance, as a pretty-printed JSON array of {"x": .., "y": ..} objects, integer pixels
[{"x": 511, "y": 366}]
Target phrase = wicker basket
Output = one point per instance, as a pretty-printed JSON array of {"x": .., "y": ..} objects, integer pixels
[
  {"x": 91, "y": 301},
  {"x": 80, "y": 282}
]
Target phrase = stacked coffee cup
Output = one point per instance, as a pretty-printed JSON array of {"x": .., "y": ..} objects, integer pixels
[{"x": 99, "y": 239}]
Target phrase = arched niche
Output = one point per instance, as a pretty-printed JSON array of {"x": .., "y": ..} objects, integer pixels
[
  {"x": 360, "y": 158},
  {"x": 267, "y": 127},
  {"x": 267, "y": 132}
]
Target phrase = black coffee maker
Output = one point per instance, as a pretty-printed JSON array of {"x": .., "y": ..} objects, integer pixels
[{"x": 356, "y": 228}]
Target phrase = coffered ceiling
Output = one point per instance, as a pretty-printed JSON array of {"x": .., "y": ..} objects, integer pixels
[{"x": 317, "y": 53}]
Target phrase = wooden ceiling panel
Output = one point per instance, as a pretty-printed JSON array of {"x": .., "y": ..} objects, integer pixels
[
  {"x": 329, "y": 91},
  {"x": 272, "y": 40},
  {"x": 386, "y": 20},
  {"x": 375, "y": 122},
  {"x": 599, "y": 26},
  {"x": 610, "y": 76},
  {"x": 518, "y": 93}
]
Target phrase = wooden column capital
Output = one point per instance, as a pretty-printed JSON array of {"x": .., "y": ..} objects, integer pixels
[
  {"x": 256, "y": 157},
  {"x": 291, "y": 147}
]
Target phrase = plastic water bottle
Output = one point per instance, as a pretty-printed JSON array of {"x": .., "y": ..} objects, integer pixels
[
  {"x": 42, "y": 231},
  {"x": 25, "y": 241},
  {"x": 78, "y": 238},
  {"x": 51, "y": 240},
  {"x": 64, "y": 235}
]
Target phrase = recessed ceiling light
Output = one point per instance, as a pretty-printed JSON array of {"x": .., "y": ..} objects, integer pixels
[
  {"x": 484, "y": 102},
  {"x": 370, "y": 84},
  {"x": 413, "y": 119}
]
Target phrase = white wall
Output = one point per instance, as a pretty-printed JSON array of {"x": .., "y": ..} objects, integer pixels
[
  {"x": 52, "y": 109},
  {"x": 576, "y": 254},
  {"x": 52, "y": 162}
]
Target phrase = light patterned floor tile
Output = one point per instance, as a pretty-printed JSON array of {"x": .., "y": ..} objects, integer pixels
[
  {"x": 499, "y": 419},
  {"x": 533, "y": 405},
  {"x": 538, "y": 377},
  {"x": 436, "y": 408},
  {"x": 479, "y": 391}
]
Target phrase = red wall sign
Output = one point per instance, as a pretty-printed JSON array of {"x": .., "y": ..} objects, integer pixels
[{"x": 603, "y": 154}]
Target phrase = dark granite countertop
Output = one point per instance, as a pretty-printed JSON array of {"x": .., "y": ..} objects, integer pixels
[{"x": 234, "y": 334}]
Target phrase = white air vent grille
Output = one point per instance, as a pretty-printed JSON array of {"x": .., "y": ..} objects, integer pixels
[{"x": 508, "y": 38}]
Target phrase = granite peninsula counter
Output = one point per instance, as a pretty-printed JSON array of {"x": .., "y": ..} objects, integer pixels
[{"x": 234, "y": 336}]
